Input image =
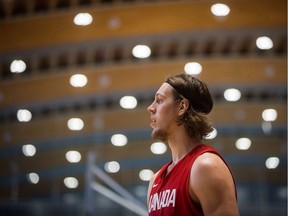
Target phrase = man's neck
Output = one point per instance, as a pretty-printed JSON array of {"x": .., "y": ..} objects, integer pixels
[{"x": 181, "y": 144}]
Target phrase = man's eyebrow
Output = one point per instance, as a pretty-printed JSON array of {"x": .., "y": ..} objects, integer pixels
[{"x": 159, "y": 94}]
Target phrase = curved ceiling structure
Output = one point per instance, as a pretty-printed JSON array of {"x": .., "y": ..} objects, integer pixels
[{"x": 42, "y": 34}]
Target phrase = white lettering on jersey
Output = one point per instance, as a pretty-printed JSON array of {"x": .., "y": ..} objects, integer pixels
[{"x": 164, "y": 199}]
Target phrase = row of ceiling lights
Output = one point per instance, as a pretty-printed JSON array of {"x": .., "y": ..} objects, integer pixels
[
  {"x": 130, "y": 102},
  {"x": 84, "y": 19},
  {"x": 114, "y": 166},
  {"x": 144, "y": 51}
]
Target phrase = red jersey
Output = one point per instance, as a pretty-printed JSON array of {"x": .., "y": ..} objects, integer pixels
[{"x": 170, "y": 194}]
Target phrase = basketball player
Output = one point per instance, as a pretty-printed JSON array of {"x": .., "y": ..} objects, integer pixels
[{"x": 197, "y": 181}]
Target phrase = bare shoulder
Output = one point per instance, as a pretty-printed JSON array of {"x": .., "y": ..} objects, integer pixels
[
  {"x": 212, "y": 186},
  {"x": 208, "y": 162},
  {"x": 210, "y": 169}
]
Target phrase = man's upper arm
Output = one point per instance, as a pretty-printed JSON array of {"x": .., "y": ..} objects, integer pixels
[{"x": 212, "y": 186}]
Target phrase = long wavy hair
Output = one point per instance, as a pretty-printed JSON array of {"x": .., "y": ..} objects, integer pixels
[{"x": 200, "y": 100}]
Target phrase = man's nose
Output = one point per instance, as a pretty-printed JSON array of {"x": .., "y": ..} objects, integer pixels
[{"x": 150, "y": 108}]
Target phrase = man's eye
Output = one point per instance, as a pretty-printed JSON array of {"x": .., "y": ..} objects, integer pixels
[{"x": 158, "y": 100}]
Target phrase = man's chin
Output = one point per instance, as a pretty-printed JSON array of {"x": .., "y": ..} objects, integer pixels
[{"x": 159, "y": 135}]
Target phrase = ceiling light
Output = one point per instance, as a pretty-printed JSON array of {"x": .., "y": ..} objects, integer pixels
[
  {"x": 220, "y": 9},
  {"x": 146, "y": 174},
  {"x": 29, "y": 150},
  {"x": 17, "y": 66},
  {"x": 269, "y": 115},
  {"x": 158, "y": 148},
  {"x": 73, "y": 156},
  {"x": 104, "y": 81},
  {"x": 272, "y": 162},
  {"x": 33, "y": 178},
  {"x": 212, "y": 135},
  {"x": 128, "y": 102},
  {"x": 112, "y": 167},
  {"x": 83, "y": 19},
  {"x": 75, "y": 124},
  {"x": 71, "y": 182},
  {"x": 114, "y": 23},
  {"x": 24, "y": 115},
  {"x": 264, "y": 43},
  {"x": 243, "y": 143},
  {"x": 266, "y": 127},
  {"x": 119, "y": 140},
  {"x": 232, "y": 94},
  {"x": 78, "y": 80},
  {"x": 141, "y": 51},
  {"x": 193, "y": 68}
]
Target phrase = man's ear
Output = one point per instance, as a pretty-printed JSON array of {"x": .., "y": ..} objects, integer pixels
[{"x": 184, "y": 105}]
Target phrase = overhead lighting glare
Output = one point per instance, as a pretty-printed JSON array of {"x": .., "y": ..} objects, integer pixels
[
  {"x": 146, "y": 174},
  {"x": 266, "y": 127},
  {"x": 264, "y": 43},
  {"x": 29, "y": 150},
  {"x": 119, "y": 140},
  {"x": 112, "y": 167},
  {"x": 71, "y": 182},
  {"x": 243, "y": 143},
  {"x": 158, "y": 148},
  {"x": 128, "y": 102},
  {"x": 17, "y": 66},
  {"x": 212, "y": 135},
  {"x": 83, "y": 19},
  {"x": 232, "y": 94},
  {"x": 75, "y": 124},
  {"x": 33, "y": 178},
  {"x": 193, "y": 68},
  {"x": 73, "y": 156},
  {"x": 272, "y": 162},
  {"x": 78, "y": 80},
  {"x": 220, "y": 9},
  {"x": 269, "y": 115},
  {"x": 24, "y": 115},
  {"x": 141, "y": 51}
]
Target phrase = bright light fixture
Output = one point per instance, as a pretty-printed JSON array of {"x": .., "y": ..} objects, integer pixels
[
  {"x": 272, "y": 162},
  {"x": 269, "y": 115},
  {"x": 158, "y": 148},
  {"x": 193, "y": 68},
  {"x": 112, "y": 167},
  {"x": 146, "y": 174},
  {"x": 71, "y": 182},
  {"x": 17, "y": 66},
  {"x": 29, "y": 150},
  {"x": 220, "y": 9},
  {"x": 75, "y": 124},
  {"x": 264, "y": 43},
  {"x": 232, "y": 94},
  {"x": 128, "y": 102},
  {"x": 83, "y": 19},
  {"x": 73, "y": 156},
  {"x": 78, "y": 80},
  {"x": 119, "y": 140},
  {"x": 212, "y": 135},
  {"x": 24, "y": 115},
  {"x": 243, "y": 143},
  {"x": 141, "y": 51},
  {"x": 33, "y": 178}
]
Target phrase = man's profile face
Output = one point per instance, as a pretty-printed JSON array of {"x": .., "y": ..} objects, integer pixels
[{"x": 163, "y": 113}]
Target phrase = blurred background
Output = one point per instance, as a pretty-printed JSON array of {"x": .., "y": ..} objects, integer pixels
[{"x": 76, "y": 78}]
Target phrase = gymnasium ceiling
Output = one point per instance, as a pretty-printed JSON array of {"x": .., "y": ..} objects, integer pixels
[{"x": 43, "y": 35}]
